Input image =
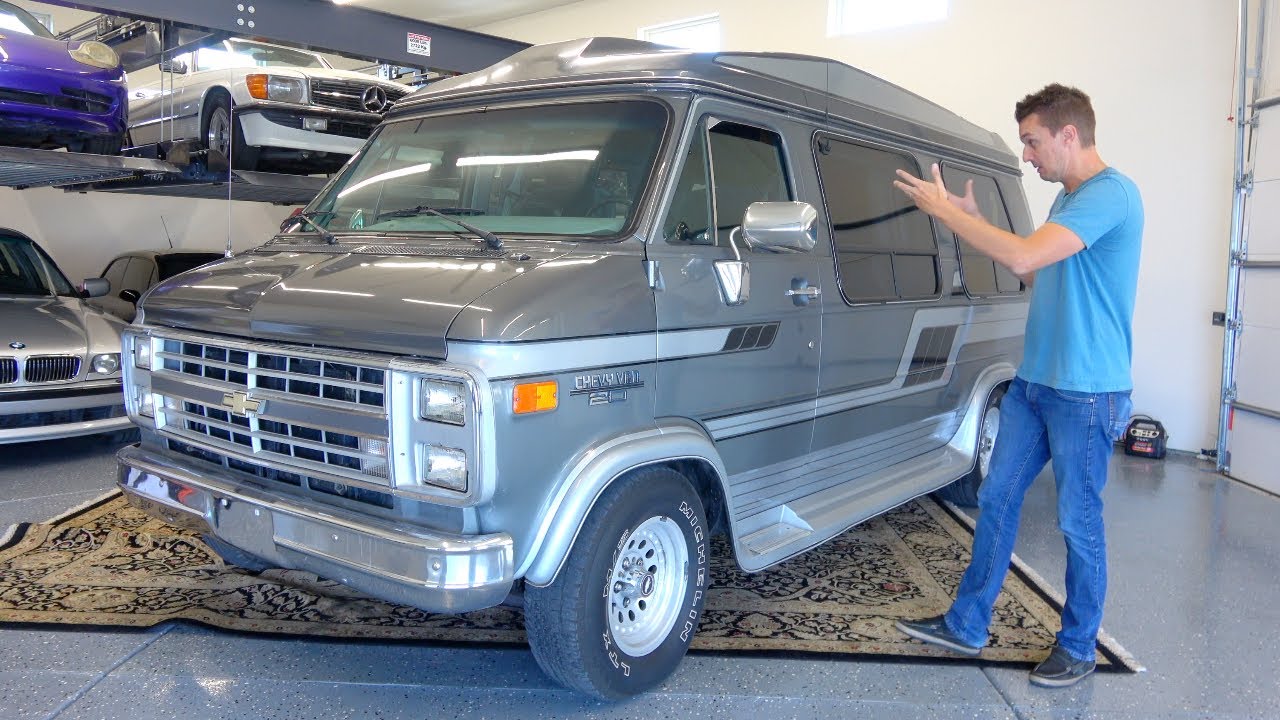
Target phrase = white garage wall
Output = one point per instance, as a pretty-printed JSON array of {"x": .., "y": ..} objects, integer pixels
[
  {"x": 1160, "y": 77},
  {"x": 83, "y": 231}
]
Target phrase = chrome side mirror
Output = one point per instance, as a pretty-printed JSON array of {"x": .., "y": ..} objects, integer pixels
[
  {"x": 781, "y": 226},
  {"x": 95, "y": 287}
]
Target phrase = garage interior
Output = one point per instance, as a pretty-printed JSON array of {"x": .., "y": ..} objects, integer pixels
[{"x": 1185, "y": 99}]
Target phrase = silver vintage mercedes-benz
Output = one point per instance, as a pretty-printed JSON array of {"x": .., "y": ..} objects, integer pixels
[
  {"x": 59, "y": 358},
  {"x": 561, "y": 320},
  {"x": 263, "y": 106}
]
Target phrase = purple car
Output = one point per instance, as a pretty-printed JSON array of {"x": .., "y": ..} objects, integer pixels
[{"x": 57, "y": 93}]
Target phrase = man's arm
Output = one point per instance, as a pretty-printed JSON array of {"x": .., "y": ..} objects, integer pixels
[{"x": 1023, "y": 256}]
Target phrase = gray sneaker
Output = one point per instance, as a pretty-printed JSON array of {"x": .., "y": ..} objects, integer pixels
[
  {"x": 934, "y": 631},
  {"x": 1060, "y": 669}
]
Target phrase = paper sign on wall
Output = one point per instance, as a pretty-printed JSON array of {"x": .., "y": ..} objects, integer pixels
[{"x": 419, "y": 44}]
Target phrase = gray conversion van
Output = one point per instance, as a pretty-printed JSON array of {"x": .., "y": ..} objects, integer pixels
[{"x": 561, "y": 320}]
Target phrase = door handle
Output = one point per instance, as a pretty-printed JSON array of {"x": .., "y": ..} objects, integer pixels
[
  {"x": 811, "y": 291},
  {"x": 801, "y": 292}
]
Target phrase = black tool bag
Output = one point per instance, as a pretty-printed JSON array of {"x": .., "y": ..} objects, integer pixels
[{"x": 1145, "y": 437}]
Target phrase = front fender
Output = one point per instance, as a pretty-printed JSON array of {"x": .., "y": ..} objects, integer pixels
[{"x": 598, "y": 469}]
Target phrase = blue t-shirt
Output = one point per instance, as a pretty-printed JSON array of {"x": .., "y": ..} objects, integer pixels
[{"x": 1080, "y": 326}]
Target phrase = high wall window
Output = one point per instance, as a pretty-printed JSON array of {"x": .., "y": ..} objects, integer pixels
[
  {"x": 981, "y": 274},
  {"x": 699, "y": 33},
  {"x": 885, "y": 248},
  {"x": 847, "y": 17}
]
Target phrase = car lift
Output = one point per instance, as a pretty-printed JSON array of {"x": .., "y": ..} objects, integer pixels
[{"x": 147, "y": 31}]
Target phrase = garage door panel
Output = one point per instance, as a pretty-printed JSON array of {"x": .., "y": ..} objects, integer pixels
[
  {"x": 1256, "y": 368},
  {"x": 1255, "y": 454},
  {"x": 1260, "y": 288},
  {"x": 1264, "y": 220},
  {"x": 1266, "y": 151}
]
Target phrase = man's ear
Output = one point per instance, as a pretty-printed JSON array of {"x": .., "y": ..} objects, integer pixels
[{"x": 1070, "y": 134}]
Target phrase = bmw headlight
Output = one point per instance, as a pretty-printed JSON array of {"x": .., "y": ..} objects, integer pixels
[
  {"x": 443, "y": 401},
  {"x": 281, "y": 88},
  {"x": 96, "y": 54},
  {"x": 106, "y": 363}
]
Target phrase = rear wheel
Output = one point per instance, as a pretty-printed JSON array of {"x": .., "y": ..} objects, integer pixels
[
  {"x": 964, "y": 492},
  {"x": 622, "y": 611}
]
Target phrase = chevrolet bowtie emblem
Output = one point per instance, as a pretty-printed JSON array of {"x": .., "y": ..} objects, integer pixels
[{"x": 241, "y": 404}]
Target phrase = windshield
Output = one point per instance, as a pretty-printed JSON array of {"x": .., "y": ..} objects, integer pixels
[
  {"x": 26, "y": 270},
  {"x": 241, "y": 54},
  {"x": 17, "y": 20},
  {"x": 575, "y": 169}
]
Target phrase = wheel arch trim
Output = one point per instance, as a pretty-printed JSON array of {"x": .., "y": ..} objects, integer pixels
[{"x": 594, "y": 473}]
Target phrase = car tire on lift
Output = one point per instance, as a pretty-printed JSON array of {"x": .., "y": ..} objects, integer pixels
[
  {"x": 623, "y": 609},
  {"x": 220, "y": 131},
  {"x": 964, "y": 492}
]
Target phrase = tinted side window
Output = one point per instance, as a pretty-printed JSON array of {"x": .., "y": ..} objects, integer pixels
[
  {"x": 982, "y": 275},
  {"x": 138, "y": 275},
  {"x": 115, "y": 273},
  {"x": 746, "y": 165},
  {"x": 884, "y": 246}
]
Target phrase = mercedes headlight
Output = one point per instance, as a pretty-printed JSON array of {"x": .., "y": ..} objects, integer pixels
[
  {"x": 96, "y": 54},
  {"x": 281, "y": 88}
]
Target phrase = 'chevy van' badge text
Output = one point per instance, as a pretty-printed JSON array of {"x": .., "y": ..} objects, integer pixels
[
  {"x": 606, "y": 388},
  {"x": 606, "y": 381}
]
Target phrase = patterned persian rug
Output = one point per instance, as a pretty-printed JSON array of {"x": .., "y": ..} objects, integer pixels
[{"x": 108, "y": 564}]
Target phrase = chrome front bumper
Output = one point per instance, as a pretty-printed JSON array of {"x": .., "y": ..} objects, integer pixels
[{"x": 433, "y": 571}]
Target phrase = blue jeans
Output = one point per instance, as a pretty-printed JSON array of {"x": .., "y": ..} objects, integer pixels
[{"x": 1076, "y": 430}]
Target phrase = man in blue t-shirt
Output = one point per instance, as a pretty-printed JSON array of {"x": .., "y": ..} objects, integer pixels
[{"x": 1070, "y": 399}]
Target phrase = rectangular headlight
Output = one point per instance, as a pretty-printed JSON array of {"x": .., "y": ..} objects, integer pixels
[
  {"x": 142, "y": 352},
  {"x": 144, "y": 401},
  {"x": 442, "y": 401},
  {"x": 276, "y": 87},
  {"x": 286, "y": 89},
  {"x": 443, "y": 467}
]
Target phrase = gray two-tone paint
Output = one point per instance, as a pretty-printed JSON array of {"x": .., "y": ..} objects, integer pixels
[{"x": 842, "y": 412}]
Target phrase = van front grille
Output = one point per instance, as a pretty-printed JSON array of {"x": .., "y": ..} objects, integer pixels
[
  {"x": 275, "y": 441},
  {"x": 331, "y": 381}
]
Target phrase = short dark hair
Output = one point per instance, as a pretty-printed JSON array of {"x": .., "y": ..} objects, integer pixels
[{"x": 1058, "y": 106}]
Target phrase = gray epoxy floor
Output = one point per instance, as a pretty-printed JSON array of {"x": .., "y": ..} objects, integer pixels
[{"x": 1195, "y": 596}]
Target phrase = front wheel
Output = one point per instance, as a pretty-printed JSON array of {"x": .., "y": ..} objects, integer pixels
[
  {"x": 624, "y": 607},
  {"x": 221, "y": 132},
  {"x": 964, "y": 492}
]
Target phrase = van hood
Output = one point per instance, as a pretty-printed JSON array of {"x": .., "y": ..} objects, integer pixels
[{"x": 400, "y": 302}]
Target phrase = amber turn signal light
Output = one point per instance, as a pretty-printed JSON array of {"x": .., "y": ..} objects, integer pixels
[
  {"x": 257, "y": 85},
  {"x": 534, "y": 397}
]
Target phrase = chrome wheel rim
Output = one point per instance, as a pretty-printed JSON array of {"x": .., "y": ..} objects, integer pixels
[
  {"x": 987, "y": 438},
  {"x": 219, "y": 135},
  {"x": 646, "y": 589}
]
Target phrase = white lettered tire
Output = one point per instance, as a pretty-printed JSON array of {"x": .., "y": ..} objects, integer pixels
[{"x": 623, "y": 609}]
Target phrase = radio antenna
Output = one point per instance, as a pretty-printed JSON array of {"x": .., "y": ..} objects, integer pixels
[{"x": 166, "y": 232}]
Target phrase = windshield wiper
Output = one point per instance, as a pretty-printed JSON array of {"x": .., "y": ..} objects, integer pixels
[
  {"x": 307, "y": 217},
  {"x": 492, "y": 241}
]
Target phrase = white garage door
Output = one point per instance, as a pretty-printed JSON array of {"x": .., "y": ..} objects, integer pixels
[{"x": 1254, "y": 439}]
